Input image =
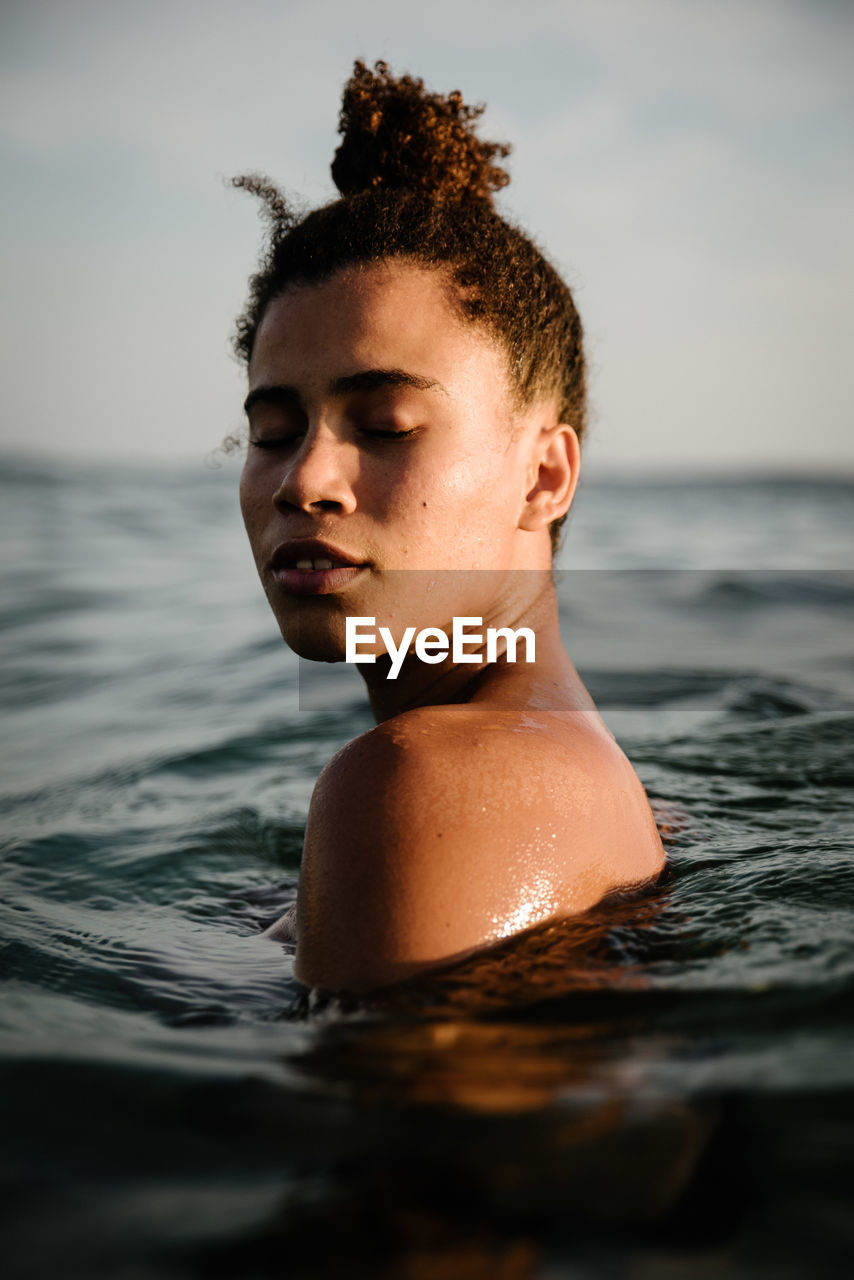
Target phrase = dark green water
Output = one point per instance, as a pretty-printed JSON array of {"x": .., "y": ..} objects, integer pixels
[{"x": 662, "y": 1089}]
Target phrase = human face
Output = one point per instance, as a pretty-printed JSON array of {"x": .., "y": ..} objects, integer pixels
[{"x": 382, "y": 439}]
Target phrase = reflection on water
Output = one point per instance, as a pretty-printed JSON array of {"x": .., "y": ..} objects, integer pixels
[
  {"x": 488, "y": 1135},
  {"x": 510, "y": 1109}
]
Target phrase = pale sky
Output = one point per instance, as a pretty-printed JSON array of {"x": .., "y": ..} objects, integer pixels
[{"x": 688, "y": 164}]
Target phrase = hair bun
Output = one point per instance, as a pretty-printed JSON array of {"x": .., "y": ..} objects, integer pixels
[{"x": 396, "y": 135}]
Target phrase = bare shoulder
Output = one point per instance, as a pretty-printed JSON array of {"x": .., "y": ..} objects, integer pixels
[{"x": 448, "y": 828}]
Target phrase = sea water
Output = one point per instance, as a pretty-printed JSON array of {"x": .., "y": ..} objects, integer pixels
[{"x": 662, "y": 1088}]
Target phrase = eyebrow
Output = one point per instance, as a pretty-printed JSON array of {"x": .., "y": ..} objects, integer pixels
[{"x": 366, "y": 380}]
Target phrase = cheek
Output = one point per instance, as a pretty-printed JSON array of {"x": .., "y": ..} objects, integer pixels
[
  {"x": 455, "y": 506},
  {"x": 448, "y": 481},
  {"x": 430, "y": 499},
  {"x": 254, "y": 501},
  {"x": 476, "y": 487},
  {"x": 247, "y": 500}
]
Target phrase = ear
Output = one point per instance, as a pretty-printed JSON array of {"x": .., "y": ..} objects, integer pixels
[{"x": 555, "y": 468}]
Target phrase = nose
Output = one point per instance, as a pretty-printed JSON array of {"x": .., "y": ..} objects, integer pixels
[{"x": 320, "y": 476}]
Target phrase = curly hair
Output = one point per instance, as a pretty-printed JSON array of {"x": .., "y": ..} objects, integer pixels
[{"x": 416, "y": 183}]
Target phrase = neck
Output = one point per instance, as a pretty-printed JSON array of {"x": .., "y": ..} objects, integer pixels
[{"x": 500, "y": 681}]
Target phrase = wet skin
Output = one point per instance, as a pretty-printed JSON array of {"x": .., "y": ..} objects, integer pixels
[{"x": 391, "y": 474}]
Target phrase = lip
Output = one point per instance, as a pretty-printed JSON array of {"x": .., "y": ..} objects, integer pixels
[{"x": 314, "y": 582}]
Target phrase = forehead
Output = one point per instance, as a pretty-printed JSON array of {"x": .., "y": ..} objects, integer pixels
[{"x": 385, "y": 315}]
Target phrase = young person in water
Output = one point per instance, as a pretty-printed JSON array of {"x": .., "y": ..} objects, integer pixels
[{"x": 416, "y": 404}]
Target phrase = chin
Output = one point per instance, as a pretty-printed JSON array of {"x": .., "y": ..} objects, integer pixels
[{"x": 317, "y": 643}]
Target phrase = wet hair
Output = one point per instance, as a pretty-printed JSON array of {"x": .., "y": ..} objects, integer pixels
[{"x": 416, "y": 183}]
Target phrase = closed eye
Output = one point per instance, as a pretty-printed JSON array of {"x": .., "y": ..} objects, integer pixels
[{"x": 389, "y": 433}]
